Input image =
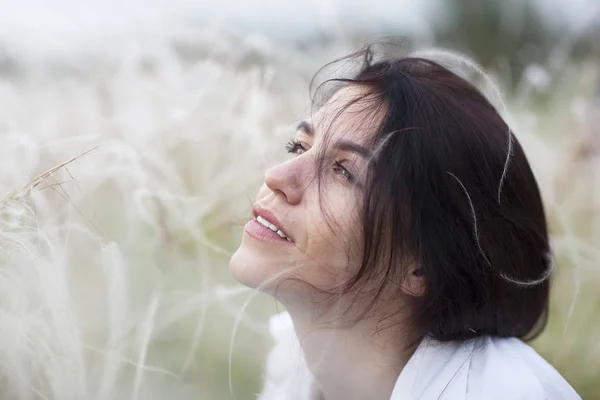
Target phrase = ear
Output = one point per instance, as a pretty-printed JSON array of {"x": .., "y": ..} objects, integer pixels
[{"x": 414, "y": 283}]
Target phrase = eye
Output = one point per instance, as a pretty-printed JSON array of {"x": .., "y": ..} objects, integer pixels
[
  {"x": 343, "y": 172},
  {"x": 293, "y": 146}
]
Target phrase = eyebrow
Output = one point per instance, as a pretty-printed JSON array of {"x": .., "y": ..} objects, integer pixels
[{"x": 343, "y": 145}]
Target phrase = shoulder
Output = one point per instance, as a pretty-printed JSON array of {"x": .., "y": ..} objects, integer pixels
[
  {"x": 502, "y": 368},
  {"x": 286, "y": 375},
  {"x": 482, "y": 368}
]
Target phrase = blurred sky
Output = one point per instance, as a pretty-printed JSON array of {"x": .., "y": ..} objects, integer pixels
[{"x": 46, "y": 25}]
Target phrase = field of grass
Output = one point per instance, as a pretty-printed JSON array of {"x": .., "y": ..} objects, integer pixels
[{"x": 126, "y": 178}]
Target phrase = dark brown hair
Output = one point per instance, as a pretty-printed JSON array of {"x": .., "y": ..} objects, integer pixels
[{"x": 450, "y": 189}]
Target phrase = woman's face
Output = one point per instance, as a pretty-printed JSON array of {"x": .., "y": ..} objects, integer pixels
[{"x": 320, "y": 254}]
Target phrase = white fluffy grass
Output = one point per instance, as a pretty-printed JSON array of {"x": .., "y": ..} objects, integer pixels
[
  {"x": 103, "y": 255},
  {"x": 113, "y": 267}
]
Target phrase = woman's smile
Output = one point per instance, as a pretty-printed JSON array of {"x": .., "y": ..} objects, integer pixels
[{"x": 259, "y": 231}]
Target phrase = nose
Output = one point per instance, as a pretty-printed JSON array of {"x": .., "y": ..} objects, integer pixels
[{"x": 288, "y": 178}]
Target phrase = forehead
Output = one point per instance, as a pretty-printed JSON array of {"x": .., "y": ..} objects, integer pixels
[{"x": 351, "y": 113}]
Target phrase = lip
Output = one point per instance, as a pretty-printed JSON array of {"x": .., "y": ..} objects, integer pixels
[
  {"x": 271, "y": 218},
  {"x": 262, "y": 233}
]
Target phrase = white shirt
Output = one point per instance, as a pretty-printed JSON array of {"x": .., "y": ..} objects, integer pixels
[{"x": 487, "y": 368}]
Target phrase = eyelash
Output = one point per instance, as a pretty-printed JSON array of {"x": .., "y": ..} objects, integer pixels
[{"x": 293, "y": 145}]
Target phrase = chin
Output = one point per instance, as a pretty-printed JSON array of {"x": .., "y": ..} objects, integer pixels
[
  {"x": 241, "y": 268},
  {"x": 251, "y": 270},
  {"x": 259, "y": 272}
]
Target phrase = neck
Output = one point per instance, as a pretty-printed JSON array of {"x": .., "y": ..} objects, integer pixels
[{"x": 354, "y": 363}]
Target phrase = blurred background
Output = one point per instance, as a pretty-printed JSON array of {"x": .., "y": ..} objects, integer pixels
[{"x": 135, "y": 134}]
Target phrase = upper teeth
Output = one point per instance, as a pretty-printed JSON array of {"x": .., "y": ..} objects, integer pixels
[{"x": 272, "y": 227}]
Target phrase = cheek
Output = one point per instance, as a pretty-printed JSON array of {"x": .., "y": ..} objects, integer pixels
[{"x": 333, "y": 251}]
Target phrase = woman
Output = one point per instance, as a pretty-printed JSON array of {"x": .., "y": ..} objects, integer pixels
[{"x": 406, "y": 238}]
